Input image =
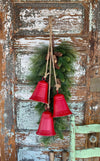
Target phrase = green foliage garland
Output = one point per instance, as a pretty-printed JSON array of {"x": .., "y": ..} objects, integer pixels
[{"x": 65, "y": 62}]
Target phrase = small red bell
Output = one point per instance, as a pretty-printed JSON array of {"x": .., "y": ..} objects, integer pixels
[
  {"x": 40, "y": 93},
  {"x": 60, "y": 107},
  {"x": 46, "y": 126}
]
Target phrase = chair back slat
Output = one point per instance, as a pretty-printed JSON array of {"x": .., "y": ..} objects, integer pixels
[
  {"x": 87, "y": 153},
  {"x": 85, "y": 129}
]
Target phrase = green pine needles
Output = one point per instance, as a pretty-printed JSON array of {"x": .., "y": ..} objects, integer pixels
[{"x": 64, "y": 74}]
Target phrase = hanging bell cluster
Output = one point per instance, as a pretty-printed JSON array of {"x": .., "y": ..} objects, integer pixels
[{"x": 42, "y": 94}]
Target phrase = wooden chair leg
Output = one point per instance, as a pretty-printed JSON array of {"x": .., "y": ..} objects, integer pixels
[
  {"x": 51, "y": 156},
  {"x": 72, "y": 136},
  {"x": 64, "y": 155}
]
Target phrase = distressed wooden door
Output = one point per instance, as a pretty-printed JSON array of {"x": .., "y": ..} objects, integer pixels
[{"x": 75, "y": 22}]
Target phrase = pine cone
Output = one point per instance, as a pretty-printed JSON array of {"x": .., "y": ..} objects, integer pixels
[
  {"x": 55, "y": 59},
  {"x": 58, "y": 81},
  {"x": 56, "y": 66},
  {"x": 59, "y": 54}
]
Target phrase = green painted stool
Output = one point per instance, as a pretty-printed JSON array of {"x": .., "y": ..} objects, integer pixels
[{"x": 84, "y": 129}]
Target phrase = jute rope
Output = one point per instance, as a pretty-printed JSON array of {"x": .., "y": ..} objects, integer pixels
[
  {"x": 50, "y": 51},
  {"x": 46, "y": 72},
  {"x": 49, "y": 83},
  {"x": 50, "y": 61},
  {"x": 50, "y": 24}
]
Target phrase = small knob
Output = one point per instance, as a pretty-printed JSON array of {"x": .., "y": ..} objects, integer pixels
[{"x": 93, "y": 139}]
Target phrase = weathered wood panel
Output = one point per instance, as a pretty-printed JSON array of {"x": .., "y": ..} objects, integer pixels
[
  {"x": 23, "y": 92},
  {"x": 31, "y": 19},
  {"x": 22, "y": 67},
  {"x": 27, "y": 116},
  {"x": 32, "y": 153},
  {"x": 7, "y": 131},
  {"x": 77, "y": 109},
  {"x": 28, "y": 138},
  {"x": 92, "y": 108}
]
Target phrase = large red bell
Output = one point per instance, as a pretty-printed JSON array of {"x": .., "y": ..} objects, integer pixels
[
  {"x": 46, "y": 126},
  {"x": 40, "y": 93},
  {"x": 60, "y": 107}
]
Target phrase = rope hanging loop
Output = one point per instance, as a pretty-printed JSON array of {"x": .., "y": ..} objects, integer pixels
[
  {"x": 52, "y": 56},
  {"x": 50, "y": 62}
]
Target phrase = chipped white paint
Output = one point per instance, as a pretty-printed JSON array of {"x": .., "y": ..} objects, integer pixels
[
  {"x": 90, "y": 18},
  {"x": 23, "y": 92},
  {"x": 30, "y": 43},
  {"x": 10, "y": 134},
  {"x": 6, "y": 45},
  {"x": 65, "y": 20},
  {"x": 35, "y": 154},
  {"x": 27, "y": 116},
  {"x": 2, "y": 41},
  {"x": 7, "y": 29},
  {"x": 94, "y": 107},
  {"x": 35, "y": 42},
  {"x": 3, "y": 91},
  {"x": 29, "y": 138},
  {"x": 79, "y": 70},
  {"x": 74, "y": 98},
  {"x": 78, "y": 110},
  {"x": 23, "y": 65},
  {"x": 5, "y": 115}
]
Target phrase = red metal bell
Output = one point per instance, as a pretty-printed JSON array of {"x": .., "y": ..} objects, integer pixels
[
  {"x": 60, "y": 107},
  {"x": 46, "y": 126},
  {"x": 40, "y": 93}
]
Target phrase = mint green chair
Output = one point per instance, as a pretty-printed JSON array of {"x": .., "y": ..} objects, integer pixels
[{"x": 84, "y": 129}]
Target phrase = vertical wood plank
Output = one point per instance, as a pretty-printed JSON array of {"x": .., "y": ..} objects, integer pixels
[
  {"x": 2, "y": 102},
  {"x": 72, "y": 136},
  {"x": 1, "y": 109},
  {"x": 91, "y": 115},
  {"x": 7, "y": 129}
]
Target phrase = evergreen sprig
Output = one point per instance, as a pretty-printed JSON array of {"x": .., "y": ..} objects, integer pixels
[{"x": 37, "y": 70}]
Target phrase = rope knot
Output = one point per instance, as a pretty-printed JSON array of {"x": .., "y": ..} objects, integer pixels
[
  {"x": 46, "y": 74},
  {"x": 57, "y": 86}
]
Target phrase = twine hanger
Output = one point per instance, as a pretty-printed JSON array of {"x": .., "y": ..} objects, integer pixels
[{"x": 50, "y": 60}]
